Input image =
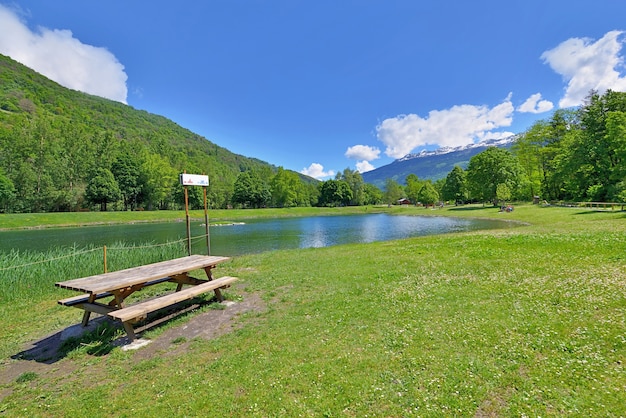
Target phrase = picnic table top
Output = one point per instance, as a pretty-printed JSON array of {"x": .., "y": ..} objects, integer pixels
[{"x": 120, "y": 279}]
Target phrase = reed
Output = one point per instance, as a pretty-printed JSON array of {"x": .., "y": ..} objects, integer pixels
[
  {"x": 29, "y": 276},
  {"x": 27, "y": 282}
]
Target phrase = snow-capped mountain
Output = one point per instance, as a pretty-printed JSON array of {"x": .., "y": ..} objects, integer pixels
[
  {"x": 501, "y": 142},
  {"x": 434, "y": 164}
]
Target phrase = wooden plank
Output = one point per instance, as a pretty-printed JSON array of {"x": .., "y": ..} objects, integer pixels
[
  {"x": 141, "y": 309},
  {"x": 74, "y": 300},
  {"x": 136, "y": 275},
  {"x": 95, "y": 307}
]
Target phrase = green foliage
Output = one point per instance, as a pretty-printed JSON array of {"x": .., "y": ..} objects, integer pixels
[
  {"x": 7, "y": 193},
  {"x": 52, "y": 138},
  {"x": 356, "y": 184},
  {"x": 413, "y": 187},
  {"x": 288, "y": 190},
  {"x": 372, "y": 194},
  {"x": 335, "y": 193},
  {"x": 250, "y": 191},
  {"x": 127, "y": 173},
  {"x": 455, "y": 186},
  {"x": 393, "y": 192},
  {"x": 428, "y": 195},
  {"x": 490, "y": 168},
  {"x": 102, "y": 188},
  {"x": 578, "y": 155},
  {"x": 503, "y": 193}
]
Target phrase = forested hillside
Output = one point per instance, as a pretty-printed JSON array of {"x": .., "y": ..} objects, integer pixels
[{"x": 55, "y": 141}]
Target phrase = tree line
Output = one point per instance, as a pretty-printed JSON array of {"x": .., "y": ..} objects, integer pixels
[
  {"x": 577, "y": 155},
  {"x": 62, "y": 150}
]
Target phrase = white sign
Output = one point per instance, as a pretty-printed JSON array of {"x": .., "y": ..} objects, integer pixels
[{"x": 194, "y": 180}]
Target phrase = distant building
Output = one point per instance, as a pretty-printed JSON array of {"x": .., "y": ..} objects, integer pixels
[{"x": 404, "y": 201}]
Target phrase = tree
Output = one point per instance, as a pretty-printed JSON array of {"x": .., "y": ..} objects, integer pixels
[
  {"x": 356, "y": 184},
  {"x": 393, "y": 191},
  {"x": 250, "y": 191},
  {"x": 616, "y": 134},
  {"x": 158, "y": 180},
  {"x": 7, "y": 192},
  {"x": 527, "y": 149},
  {"x": 455, "y": 187},
  {"x": 372, "y": 195},
  {"x": 102, "y": 188},
  {"x": 591, "y": 159},
  {"x": 503, "y": 193},
  {"x": 428, "y": 194},
  {"x": 413, "y": 187},
  {"x": 490, "y": 168},
  {"x": 287, "y": 189},
  {"x": 127, "y": 172},
  {"x": 334, "y": 193}
]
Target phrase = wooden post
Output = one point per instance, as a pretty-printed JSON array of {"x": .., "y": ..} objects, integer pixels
[
  {"x": 206, "y": 223},
  {"x": 188, "y": 222}
]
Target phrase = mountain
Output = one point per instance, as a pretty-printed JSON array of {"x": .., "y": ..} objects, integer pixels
[
  {"x": 433, "y": 165},
  {"x": 52, "y": 140}
]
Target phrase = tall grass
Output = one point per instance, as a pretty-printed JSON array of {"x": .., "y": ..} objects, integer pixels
[
  {"x": 27, "y": 282},
  {"x": 29, "y": 275}
]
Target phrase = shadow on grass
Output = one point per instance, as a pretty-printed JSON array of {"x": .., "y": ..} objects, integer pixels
[
  {"x": 92, "y": 339},
  {"x": 595, "y": 212},
  {"x": 471, "y": 208},
  {"x": 102, "y": 334}
]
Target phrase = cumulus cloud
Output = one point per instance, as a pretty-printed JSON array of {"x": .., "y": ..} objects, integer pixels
[
  {"x": 59, "y": 56},
  {"x": 459, "y": 125},
  {"x": 316, "y": 171},
  {"x": 587, "y": 65},
  {"x": 364, "y": 166},
  {"x": 535, "y": 104},
  {"x": 363, "y": 152}
]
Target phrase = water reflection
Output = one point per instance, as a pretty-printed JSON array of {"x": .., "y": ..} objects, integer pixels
[{"x": 253, "y": 236}]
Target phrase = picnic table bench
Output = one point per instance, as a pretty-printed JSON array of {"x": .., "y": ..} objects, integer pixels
[{"x": 119, "y": 285}]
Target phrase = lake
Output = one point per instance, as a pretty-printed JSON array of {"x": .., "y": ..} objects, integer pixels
[{"x": 253, "y": 236}]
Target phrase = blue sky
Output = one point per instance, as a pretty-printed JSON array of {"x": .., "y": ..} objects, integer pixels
[{"x": 320, "y": 86}]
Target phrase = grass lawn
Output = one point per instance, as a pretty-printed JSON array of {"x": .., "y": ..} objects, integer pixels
[
  {"x": 527, "y": 321},
  {"x": 43, "y": 220}
]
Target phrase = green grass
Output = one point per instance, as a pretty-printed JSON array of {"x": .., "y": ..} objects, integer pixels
[
  {"x": 41, "y": 220},
  {"x": 528, "y": 321},
  {"x": 28, "y": 295}
]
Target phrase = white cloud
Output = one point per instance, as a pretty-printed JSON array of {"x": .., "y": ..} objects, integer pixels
[
  {"x": 535, "y": 104},
  {"x": 363, "y": 152},
  {"x": 59, "y": 56},
  {"x": 459, "y": 125},
  {"x": 586, "y": 65},
  {"x": 316, "y": 171},
  {"x": 364, "y": 166}
]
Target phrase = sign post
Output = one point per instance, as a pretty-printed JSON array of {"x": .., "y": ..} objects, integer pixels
[{"x": 195, "y": 180}]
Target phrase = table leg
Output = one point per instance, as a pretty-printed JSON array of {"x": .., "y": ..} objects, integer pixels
[
  {"x": 87, "y": 314},
  {"x": 209, "y": 275},
  {"x": 208, "y": 271},
  {"x": 130, "y": 331}
]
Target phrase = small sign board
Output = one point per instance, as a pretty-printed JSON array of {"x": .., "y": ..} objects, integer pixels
[{"x": 194, "y": 180}]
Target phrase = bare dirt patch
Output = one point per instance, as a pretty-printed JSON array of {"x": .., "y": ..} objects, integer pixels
[{"x": 43, "y": 356}]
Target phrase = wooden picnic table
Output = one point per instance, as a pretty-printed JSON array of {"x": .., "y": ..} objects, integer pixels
[{"x": 119, "y": 285}]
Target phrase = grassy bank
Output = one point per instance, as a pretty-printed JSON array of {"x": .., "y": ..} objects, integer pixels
[
  {"x": 46, "y": 220},
  {"x": 525, "y": 321}
]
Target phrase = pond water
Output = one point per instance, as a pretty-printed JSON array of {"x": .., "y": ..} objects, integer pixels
[{"x": 253, "y": 236}]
